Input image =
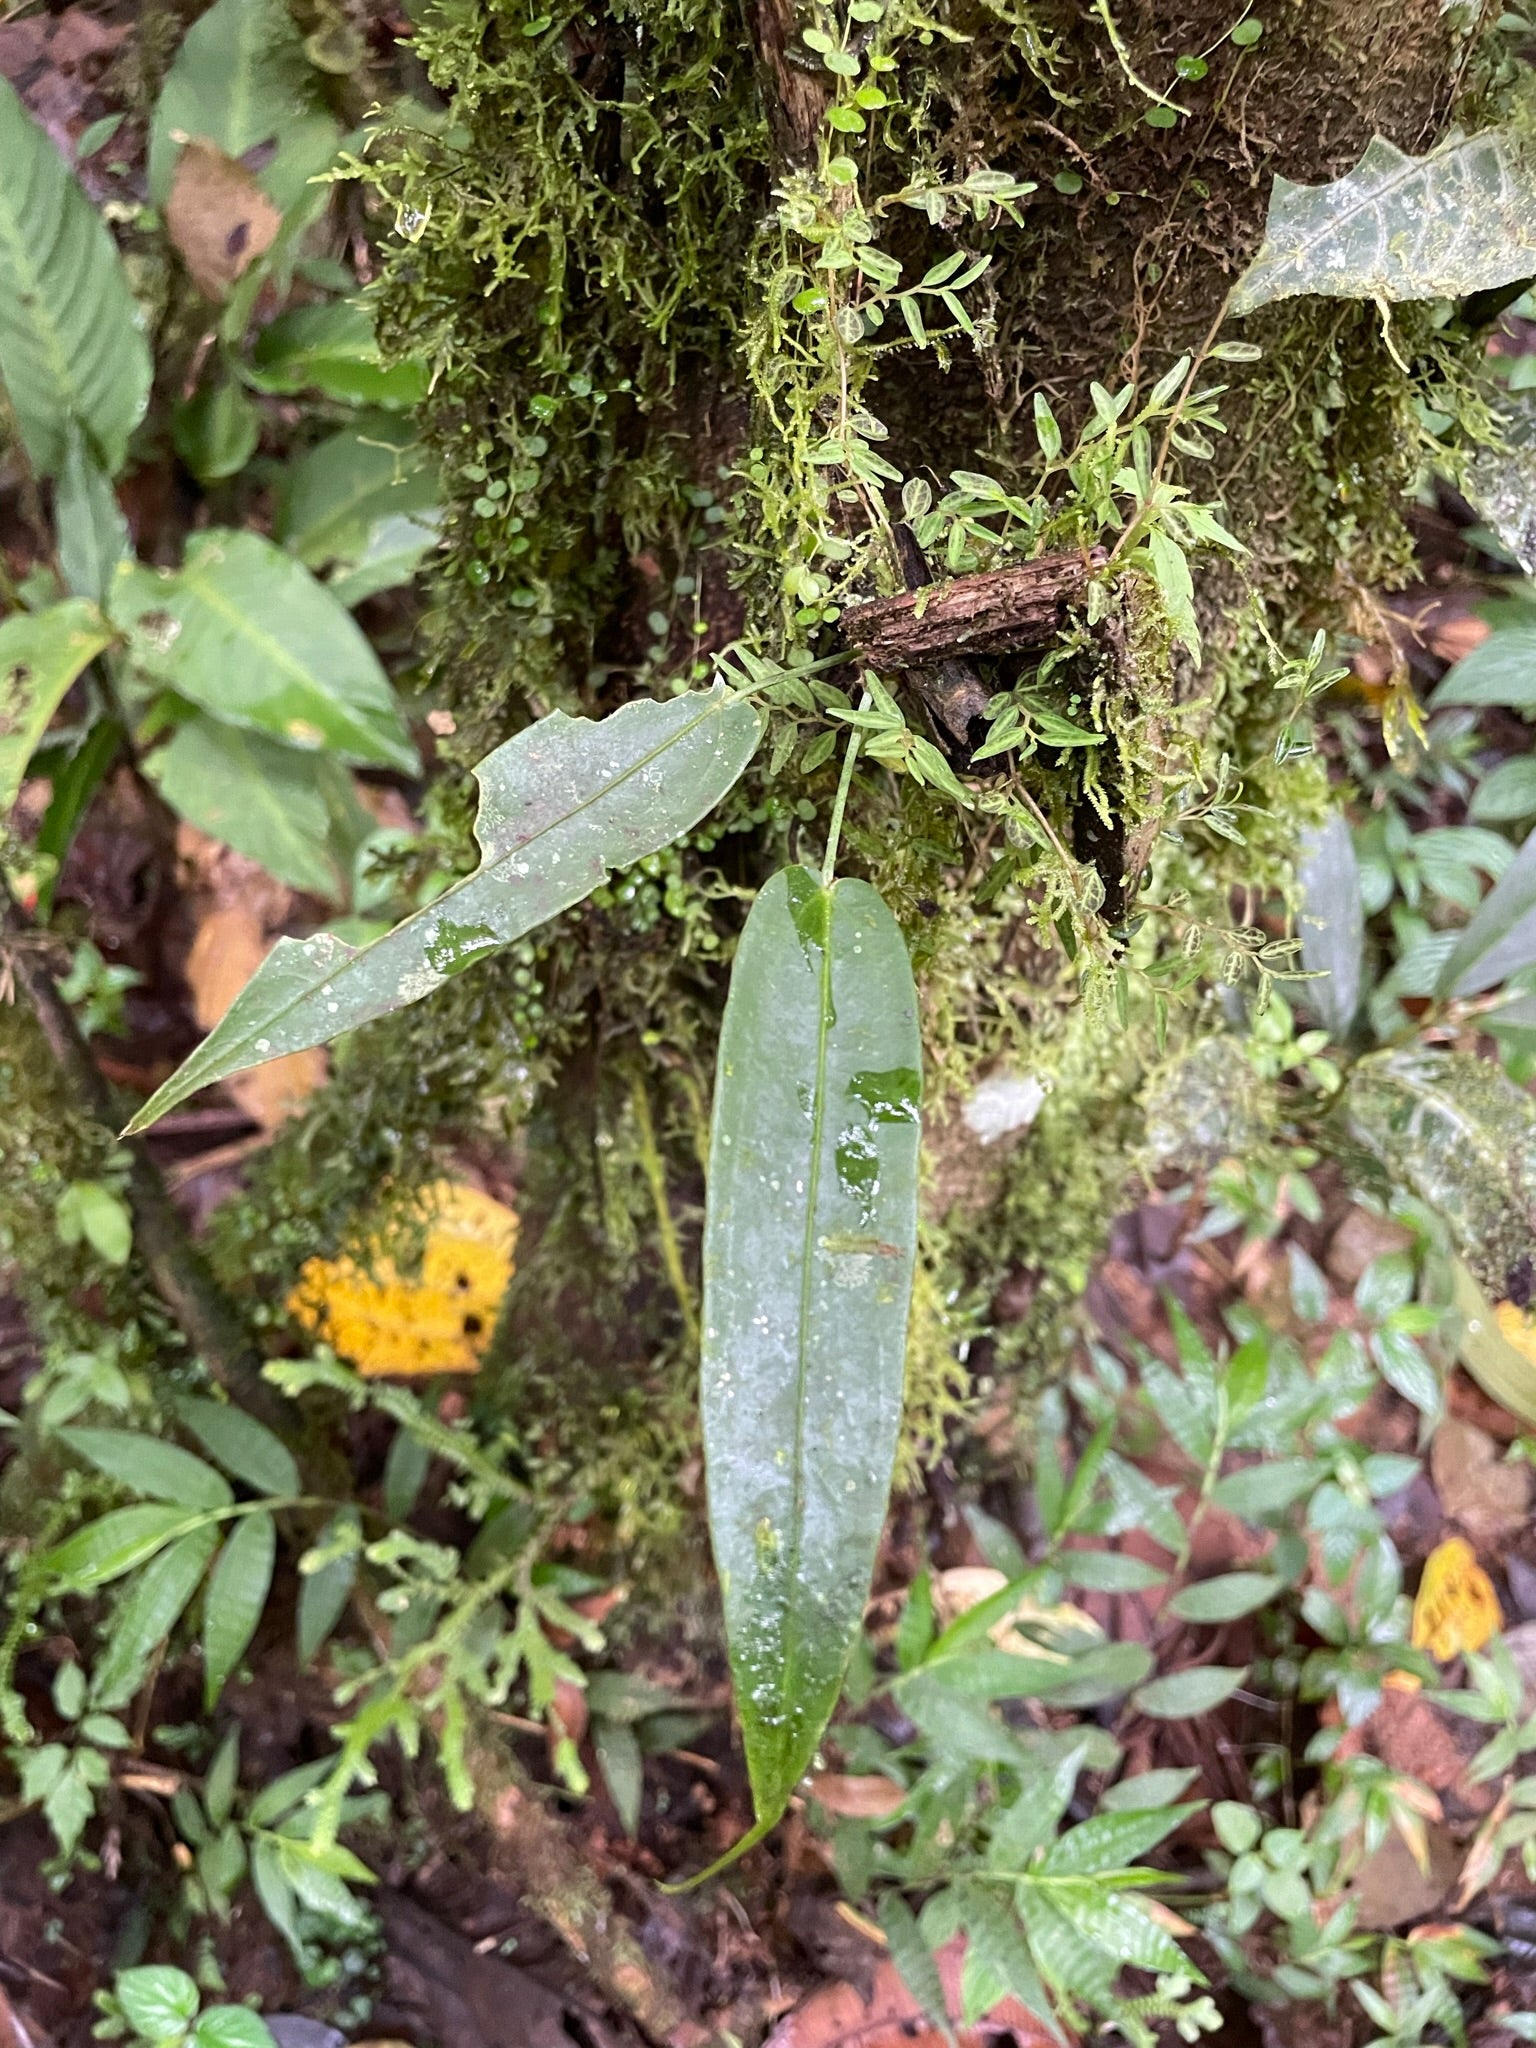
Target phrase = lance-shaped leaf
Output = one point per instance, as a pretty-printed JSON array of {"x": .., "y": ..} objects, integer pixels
[
  {"x": 560, "y": 805},
  {"x": 1462, "y": 219},
  {"x": 1332, "y": 923},
  {"x": 808, "y": 1253},
  {"x": 70, "y": 343},
  {"x": 1500, "y": 937}
]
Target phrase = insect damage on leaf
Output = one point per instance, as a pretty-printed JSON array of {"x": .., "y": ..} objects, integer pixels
[{"x": 437, "y": 1321}]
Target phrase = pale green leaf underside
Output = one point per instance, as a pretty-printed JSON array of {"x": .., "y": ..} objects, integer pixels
[
  {"x": 265, "y": 800},
  {"x": 560, "y": 805},
  {"x": 41, "y": 654},
  {"x": 245, "y": 631},
  {"x": 1462, "y": 219},
  {"x": 808, "y": 1255},
  {"x": 70, "y": 344}
]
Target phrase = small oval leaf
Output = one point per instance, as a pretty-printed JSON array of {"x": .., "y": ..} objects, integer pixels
[{"x": 808, "y": 1256}]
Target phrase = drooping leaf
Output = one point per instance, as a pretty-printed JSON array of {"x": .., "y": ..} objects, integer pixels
[
  {"x": 808, "y": 1256},
  {"x": 1499, "y": 670},
  {"x": 41, "y": 654},
  {"x": 107, "y": 1548},
  {"x": 150, "y": 1467},
  {"x": 241, "y": 79},
  {"x": 245, "y": 631},
  {"x": 1396, "y": 227},
  {"x": 1331, "y": 925},
  {"x": 246, "y": 1448},
  {"x": 333, "y": 349},
  {"x": 237, "y": 1592},
  {"x": 1184, "y": 1694},
  {"x": 1462, "y": 1136},
  {"x": 152, "y": 1609},
  {"x": 561, "y": 804},
  {"x": 1507, "y": 793},
  {"x": 264, "y": 799},
  {"x": 337, "y": 497},
  {"x": 71, "y": 347},
  {"x": 93, "y": 534},
  {"x": 1500, "y": 936}
]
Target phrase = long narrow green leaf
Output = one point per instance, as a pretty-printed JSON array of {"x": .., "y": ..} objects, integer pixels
[
  {"x": 808, "y": 1256},
  {"x": 107, "y": 1548},
  {"x": 70, "y": 341},
  {"x": 1500, "y": 937},
  {"x": 560, "y": 805},
  {"x": 41, "y": 654},
  {"x": 150, "y": 1467},
  {"x": 151, "y": 1610},
  {"x": 237, "y": 1592}
]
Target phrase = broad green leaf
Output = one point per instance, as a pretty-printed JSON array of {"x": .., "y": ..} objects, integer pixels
[
  {"x": 41, "y": 654},
  {"x": 93, "y": 534},
  {"x": 1396, "y": 227},
  {"x": 342, "y": 493},
  {"x": 107, "y": 1548},
  {"x": 1185, "y": 1694},
  {"x": 995, "y": 1938},
  {"x": 265, "y": 800},
  {"x": 150, "y": 1467},
  {"x": 405, "y": 1470},
  {"x": 1500, "y": 936},
  {"x": 394, "y": 553},
  {"x": 809, "y": 1238},
  {"x": 1331, "y": 925},
  {"x": 240, "y": 79},
  {"x": 1146, "y": 1790},
  {"x": 1507, "y": 793},
  {"x": 333, "y": 349},
  {"x": 1121, "y": 1928},
  {"x": 246, "y": 1448},
  {"x": 71, "y": 347},
  {"x": 1267, "y": 1489},
  {"x": 1499, "y": 670},
  {"x": 216, "y": 430},
  {"x": 237, "y": 1592},
  {"x": 560, "y": 805},
  {"x": 158, "y": 2000},
  {"x": 245, "y": 631},
  {"x": 1457, "y": 1131},
  {"x": 1225, "y": 1597},
  {"x": 151, "y": 1610},
  {"x": 231, "y": 2026},
  {"x": 323, "y": 1594}
]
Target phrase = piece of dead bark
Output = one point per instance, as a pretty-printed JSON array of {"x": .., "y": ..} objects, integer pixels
[{"x": 1002, "y": 611}]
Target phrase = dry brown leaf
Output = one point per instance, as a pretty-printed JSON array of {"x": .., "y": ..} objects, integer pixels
[
  {"x": 1487, "y": 1497},
  {"x": 840, "y": 2016},
  {"x": 218, "y": 217},
  {"x": 1389, "y": 1888},
  {"x": 856, "y": 1798},
  {"x": 230, "y": 945}
]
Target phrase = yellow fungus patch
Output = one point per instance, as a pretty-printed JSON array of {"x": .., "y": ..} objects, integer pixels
[
  {"x": 438, "y": 1321},
  {"x": 1456, "y": 1607}
]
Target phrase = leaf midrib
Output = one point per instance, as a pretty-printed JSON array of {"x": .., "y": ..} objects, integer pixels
[
  {"x": 354, "y": 955},
  {"x": 30, "y": 278}
]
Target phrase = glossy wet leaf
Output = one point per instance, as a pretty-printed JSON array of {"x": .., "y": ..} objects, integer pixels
[
  {"x": 41, "y": 654},
  {"x": 1396, "y": 227},
  {"x": 808, "y": 1249},
  {"x": 245, "y": 631},
  {"x": 1457, "y": 1131},
  {"x": 71, "y": 346},
  {"x": 560, "y": 805},
  {"x": 240, "y": 79},
  {"x": 1331, "y": 924}
]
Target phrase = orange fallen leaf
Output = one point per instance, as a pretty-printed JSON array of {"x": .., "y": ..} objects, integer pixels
[
  {"x": 439, "y": 1321},
  {"x": 1456, "y": 1607},
  {"x": 218, "y": 217},
  {"x": 857, "y": 1798}
]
